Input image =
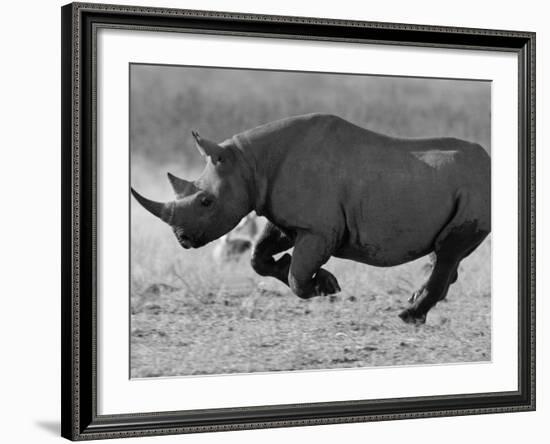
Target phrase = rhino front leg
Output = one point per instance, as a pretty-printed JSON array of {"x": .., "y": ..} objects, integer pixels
[
  {"x": 272, "y": 241},
  {"x": 306, "y": 278}
]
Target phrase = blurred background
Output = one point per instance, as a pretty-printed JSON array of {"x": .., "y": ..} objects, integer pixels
[
  {"x": 167, "y": 102},
  {"x": 191, "y": 314}
]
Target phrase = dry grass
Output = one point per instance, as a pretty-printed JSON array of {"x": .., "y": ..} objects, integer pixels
[{"x": 191, "y": 316}]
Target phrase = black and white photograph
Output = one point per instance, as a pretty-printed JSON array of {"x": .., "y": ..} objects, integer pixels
[{"x": 294, "y": 221}]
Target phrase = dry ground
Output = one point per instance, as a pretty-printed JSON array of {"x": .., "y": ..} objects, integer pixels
[{"x": 193, "y": 316}]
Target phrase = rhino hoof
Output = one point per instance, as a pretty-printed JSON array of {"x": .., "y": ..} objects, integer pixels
[
  {"x": 326, "y": 283},
  {"x": 410, "y": 317}
]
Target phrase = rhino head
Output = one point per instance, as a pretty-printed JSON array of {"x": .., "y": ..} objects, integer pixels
[{"x": 210, "y": 206}]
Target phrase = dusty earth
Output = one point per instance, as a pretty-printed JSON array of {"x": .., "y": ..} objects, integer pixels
[{"x": 233, "y": 321}]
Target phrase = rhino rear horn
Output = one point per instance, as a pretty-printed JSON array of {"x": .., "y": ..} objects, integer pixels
[
  {"x": 207, "y": 148},
  {"x": 159, "y": 209},
  {"x": 181, "y": 186}
]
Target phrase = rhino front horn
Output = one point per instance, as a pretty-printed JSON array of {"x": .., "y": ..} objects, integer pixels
[
  {"x": 161, "y": 210},
  {"x": 181, "y": 187}
]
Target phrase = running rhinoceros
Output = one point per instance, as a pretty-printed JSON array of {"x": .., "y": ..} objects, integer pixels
[{"x": 331, "y": 188}]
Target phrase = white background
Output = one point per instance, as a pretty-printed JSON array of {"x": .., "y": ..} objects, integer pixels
[{"x": 30, "y": 227}]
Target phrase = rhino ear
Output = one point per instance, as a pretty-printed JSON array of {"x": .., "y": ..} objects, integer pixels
[
  {"x": 208, "y": 148},
  {"x": 181, "y": 187}
]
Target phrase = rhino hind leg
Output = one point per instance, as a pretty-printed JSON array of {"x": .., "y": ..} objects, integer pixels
[
  {"x": 462, "y": 235},
  {"x": 431, "y": 265}
]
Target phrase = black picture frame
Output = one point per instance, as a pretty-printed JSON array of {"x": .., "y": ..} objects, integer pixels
[{"x": 78, "y": 332}]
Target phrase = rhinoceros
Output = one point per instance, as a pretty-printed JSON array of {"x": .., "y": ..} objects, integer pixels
[{"x": 331, "y": 188}]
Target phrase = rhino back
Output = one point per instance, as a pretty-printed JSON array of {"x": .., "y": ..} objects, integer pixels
[
  {"x": 379, "y": 198},
  {"x": 305, "y": 162}
]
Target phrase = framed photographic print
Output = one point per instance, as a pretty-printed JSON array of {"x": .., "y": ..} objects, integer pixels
[{"x": 280, "y": 221}]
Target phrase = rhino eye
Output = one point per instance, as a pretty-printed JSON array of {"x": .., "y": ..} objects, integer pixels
[{"x": 206, "y": 201}]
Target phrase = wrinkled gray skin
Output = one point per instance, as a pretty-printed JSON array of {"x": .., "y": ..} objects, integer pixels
[{"x": 331, "y": 188}]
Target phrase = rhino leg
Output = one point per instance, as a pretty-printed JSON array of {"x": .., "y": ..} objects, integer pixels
[
  {"x": 456, "y": 241},
  {"x": 306, "y": 278},
  {"x": 454, "y": 277},
  {"x": 272, "y": 241}
]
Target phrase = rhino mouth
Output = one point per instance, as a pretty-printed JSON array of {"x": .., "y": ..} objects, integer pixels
[
  {"x": 184, "y": 240},
  {"x": 186, "y": 243}
]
